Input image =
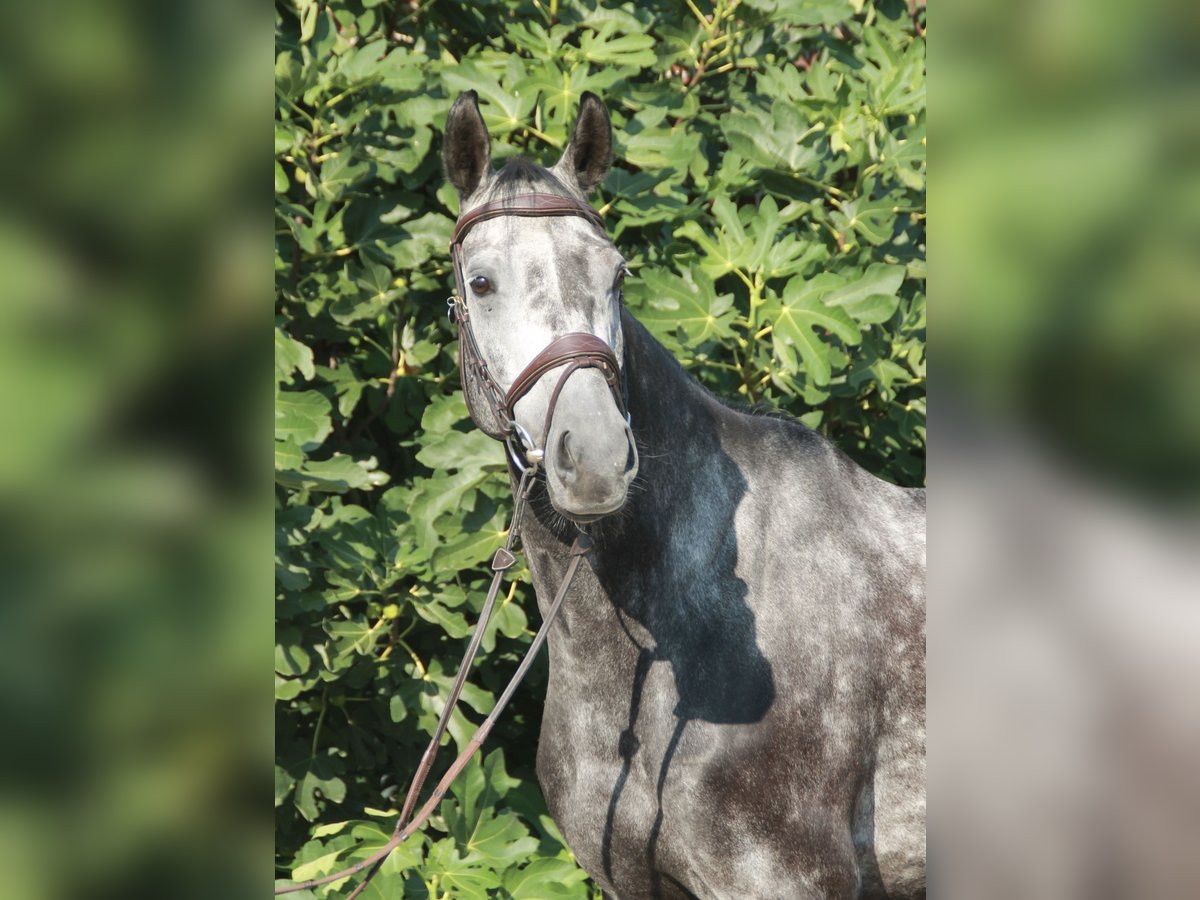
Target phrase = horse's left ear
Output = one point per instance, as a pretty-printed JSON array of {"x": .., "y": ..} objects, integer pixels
[
  {"x": 466, "y": 149},
  {"x": 589, "y": 152}
]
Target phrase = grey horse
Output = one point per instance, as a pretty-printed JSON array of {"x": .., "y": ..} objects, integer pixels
[{"x": 736, "y": 698}]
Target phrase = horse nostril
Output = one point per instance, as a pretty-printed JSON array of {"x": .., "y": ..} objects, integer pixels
[
  {"x": 631, "y": 457},
  {"x": 565, "y": 458}
]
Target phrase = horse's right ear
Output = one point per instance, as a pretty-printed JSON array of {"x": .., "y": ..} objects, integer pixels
[
  {"x": 589, "y": 153},
  {"x": 467, "y": 149}
]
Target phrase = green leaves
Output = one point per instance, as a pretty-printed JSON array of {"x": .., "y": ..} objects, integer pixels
[
  {"x": 319, "y": 783},
  {"x": 606, "y": 48},
  {"x": 777, "y": 138},
  {"x": 812, "y": 312},
  {"x": 768, "y": 193},
  {"x": 815, "y": 12},
  {"x": 397, "y": 70},
  {"x": 503, "y": 104},
  {"x": 290, "y": 357},
  {"x": 302, "y": 418},
  {"x": 335, "y": 475},
  {"x": 544, "y": 878},
  {"x": 484, "y": 850},
  {"x": 673, "y": 150},
  {"x": 682, "y": 309},
  {"x": 797, "y": 314},
  {"x": 338, "y": 175},
  {"x": 761, "y": 244},
  {"x": 302, "y": 423},
  {"x": 872, "y": 298}
]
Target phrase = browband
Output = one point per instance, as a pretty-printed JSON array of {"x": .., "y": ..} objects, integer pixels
[{"x": 530, "y": 205}]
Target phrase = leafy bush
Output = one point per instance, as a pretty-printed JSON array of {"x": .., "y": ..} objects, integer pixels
[{"x": 769, "y": 196}]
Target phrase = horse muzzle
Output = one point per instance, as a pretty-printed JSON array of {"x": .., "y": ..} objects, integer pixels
[{"x": 591, "y": 458}]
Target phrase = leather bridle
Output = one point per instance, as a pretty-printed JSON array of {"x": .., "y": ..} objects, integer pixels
[{"x": 576, "y": 350}]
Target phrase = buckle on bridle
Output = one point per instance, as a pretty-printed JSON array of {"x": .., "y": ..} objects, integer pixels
[{"x": 533, "y": 455}]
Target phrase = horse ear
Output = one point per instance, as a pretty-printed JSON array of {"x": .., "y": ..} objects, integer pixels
[
  {"x": 467, "y": 149},
  {"x": 589, "y": 152}
]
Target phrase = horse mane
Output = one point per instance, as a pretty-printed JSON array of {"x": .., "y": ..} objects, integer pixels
[
  {"x": 521, "y": 175},
  {"x": 758, "y": 409}
]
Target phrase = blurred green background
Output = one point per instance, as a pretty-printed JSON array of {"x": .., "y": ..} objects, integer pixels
[
  {"x": 1068, "y": 190},
  {"x": 135, "y": 521},
  {"x": 1065, "y": 459}
]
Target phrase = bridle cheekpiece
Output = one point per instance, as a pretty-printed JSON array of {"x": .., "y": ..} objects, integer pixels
[{"x": 576, "y": 350}]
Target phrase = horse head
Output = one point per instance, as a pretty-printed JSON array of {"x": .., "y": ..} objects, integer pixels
[{"x": 540, "y": 286}]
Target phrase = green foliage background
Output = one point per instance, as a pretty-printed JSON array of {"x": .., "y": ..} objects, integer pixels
[{"x": 769, "y": 194}]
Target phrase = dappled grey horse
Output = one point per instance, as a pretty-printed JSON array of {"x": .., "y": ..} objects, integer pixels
[{"x": 736, "y": 699}]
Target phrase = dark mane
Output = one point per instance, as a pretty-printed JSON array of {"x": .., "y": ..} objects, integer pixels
[{"x": 521, "y": 175}]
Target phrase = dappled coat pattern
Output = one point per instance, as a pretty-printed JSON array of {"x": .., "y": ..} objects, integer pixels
[{"x": 736, "y": 696}]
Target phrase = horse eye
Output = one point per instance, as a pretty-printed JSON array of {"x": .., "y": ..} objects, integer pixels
[{"x": 480, "y": 285}]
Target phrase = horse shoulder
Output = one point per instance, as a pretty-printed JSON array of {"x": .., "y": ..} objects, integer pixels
[{"x": 834, "y": 562}]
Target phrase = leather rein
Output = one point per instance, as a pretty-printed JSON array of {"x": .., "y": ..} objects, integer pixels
[{"x": 577, "y": 350}]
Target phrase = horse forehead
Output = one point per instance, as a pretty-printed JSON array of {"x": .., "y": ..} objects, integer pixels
[
  {"x": 567, "y": 243},
  {"x": 550, "y": 260}
]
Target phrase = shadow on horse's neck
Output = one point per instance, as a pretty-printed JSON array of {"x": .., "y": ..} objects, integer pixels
[
  {"x": 661, "y": 593},
  {"x": 669, "y": 561}
]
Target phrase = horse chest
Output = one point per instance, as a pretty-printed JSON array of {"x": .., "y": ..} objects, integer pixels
[
  {"x": 651, "y": 803},
  {"x": 678, "y": 762}
]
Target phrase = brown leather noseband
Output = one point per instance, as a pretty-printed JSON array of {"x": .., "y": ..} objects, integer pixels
[{"x": 577, "y": 350}]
